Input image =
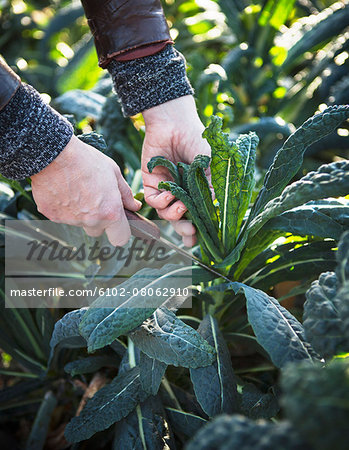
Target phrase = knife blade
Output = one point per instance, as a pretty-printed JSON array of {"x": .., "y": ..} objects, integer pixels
[{"x": 144, "y": 228}]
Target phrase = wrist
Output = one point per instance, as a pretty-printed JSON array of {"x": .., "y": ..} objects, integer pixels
[
  {"x": 150, "y": 81},
  {"x": 180, "y": 110},
  {"x": 66, "y": 158},
  {"x": 32, "y": 134}
]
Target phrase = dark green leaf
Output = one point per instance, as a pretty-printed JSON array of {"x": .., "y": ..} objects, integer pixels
[
  {"x": 316, "y": 400},
  {"x": 257, "y": 405},
  {"x": 182, "y": 195},
  {"x": 314, "y": 218},
  {"x": 330, "y": 180},
  {"x": 90, "y": 364},
  {"x": 215, "y": 385},
  {"x": 183, "y": 422},
  {"x": 110, "y": 317},
  {"x": 38, "y": 433},
  {"x": 168, "y": 339},
  {"x": 201, "y": 194},
  {"x": 289, "y": 158},
  {"x": 151, "y": 373},
  {"x": 327, "y": 24},
  {"x": 146, "y": 428},
  {"x": 109, "y": 405},
  {"x": 276, "y": 329},
  {"x": 240, "y": 433},
  {"x": 66, "y": 331},
  {"x": 162, "y": 161},
  {"x": 325, "y": 316}
]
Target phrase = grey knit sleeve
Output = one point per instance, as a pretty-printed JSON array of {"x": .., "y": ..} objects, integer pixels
[
  {"x": 32, "y": 134},
  {"x": 150, "y": 81}
]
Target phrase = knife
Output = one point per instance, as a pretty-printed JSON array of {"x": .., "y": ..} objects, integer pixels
[{"x": 144, "y": 228}]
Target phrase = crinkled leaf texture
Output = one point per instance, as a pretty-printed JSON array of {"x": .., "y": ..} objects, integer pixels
[
  {"x": 257, "y": 405},
  {"x": 151, "y": 373},
  {"x": 66, "y": 331},
  {"x": 200, "y": 192},
  {"x": 109, "y": 405},
  {"x": 289, "y": 158},
  {"x": 145, "y": 428},
  {"x": 240, "y": 433},
  {"x": 169, "y": 165},
  {"x": 215, "y": 385},
  {"x": 323, "y": 327},
  {"x": 90, "y": 364},
  {"x": 110, "y": 317},
  {"x": 330, "y": 180},
  {"x": 171, "y": 341},
  {"x": 326, "y": 310},
  {"x": 232, "y": 172},
  {"x": 183, "y": 422},
  {"x": 276, "y": 329},
  {"x": 324, "y": 218},
  {"x": 316, "y": 401}
]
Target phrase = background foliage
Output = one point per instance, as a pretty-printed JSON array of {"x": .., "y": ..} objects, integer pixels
[{"x": 263, "y": 66}]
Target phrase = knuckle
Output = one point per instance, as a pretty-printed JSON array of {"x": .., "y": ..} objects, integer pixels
[{"x": 110, "y": 213}]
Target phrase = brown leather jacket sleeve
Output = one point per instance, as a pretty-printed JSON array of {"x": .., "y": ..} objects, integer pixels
[
  {"x": 119, "y": 26},
  {"x": 9, "y": 83}
]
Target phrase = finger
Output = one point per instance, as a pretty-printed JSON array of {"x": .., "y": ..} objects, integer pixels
[
  {"x": 173, "y": 212},
  {"x": 157, "y": 199},
  {"x": 209, "y": 179},
  {"x": 189, "y": 241},
  {"x": 119, "y": 232},
  {"x": 93, "y": 231},
  {"x": 184, "y": 228},
  {"x": 126, "y": 193}
]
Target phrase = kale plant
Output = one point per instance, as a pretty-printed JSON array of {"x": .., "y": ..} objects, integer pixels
[
  {"x": 159, "y": 346},
  {"x": 235, "y": 235}
]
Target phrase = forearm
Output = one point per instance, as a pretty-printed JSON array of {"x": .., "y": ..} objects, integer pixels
[
  {"x": 32, "y": 134},
  {"x": 150, "y": 81}
]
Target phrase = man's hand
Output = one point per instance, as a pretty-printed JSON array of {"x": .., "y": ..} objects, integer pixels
[
  {"x": 173, "y": 130},
  {"x": 84, "y": 187}
]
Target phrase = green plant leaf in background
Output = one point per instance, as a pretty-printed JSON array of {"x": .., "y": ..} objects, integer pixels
[
  {"x": 151, "y": 373},
  {"x": 316, "y": 400},
  {"x": 324, "y": 318},
  {"x": 257, "y": 405},
  {"x": 240, "y": 433},
  {"x": 171, "y": 341},
  {"x": 145, "y": 428},
  {"x": 66, "y": 331},
  {"x": 289, "y": 158},
  {"x": 110, "y": 317},
  {"x": 320, "y": 218},
  {"x": 330, "y": 180},
  {"x": 110, "y": 404},
  {"x": 90, "y": 364},
  {"x": 183, "y": 422},
  {"x": 276, "y": 329},
  {"x": 215, "y": 385}
]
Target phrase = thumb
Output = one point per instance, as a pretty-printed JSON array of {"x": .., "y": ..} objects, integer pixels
[
  {"x": 209, "y": 179},
  {"x": 126, "y": 193}
]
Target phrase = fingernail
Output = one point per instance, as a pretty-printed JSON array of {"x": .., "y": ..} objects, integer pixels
[
  {"x": 169, "y": 198},
  {"x": 138, "y": 203},
  {"x": 181, "y": 209}
]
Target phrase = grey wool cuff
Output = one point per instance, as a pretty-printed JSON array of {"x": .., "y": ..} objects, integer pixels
[
  {"x": 150, "y": 81},
  {"x": 32, "y": 134}
]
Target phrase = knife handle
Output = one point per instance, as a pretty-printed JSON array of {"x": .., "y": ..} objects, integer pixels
[{"x": 141, "y": 227}]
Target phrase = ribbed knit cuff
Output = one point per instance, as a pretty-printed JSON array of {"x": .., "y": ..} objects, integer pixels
[
  {"x": 150, "y": 81},
  {"x": 32, "y": 134}
]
